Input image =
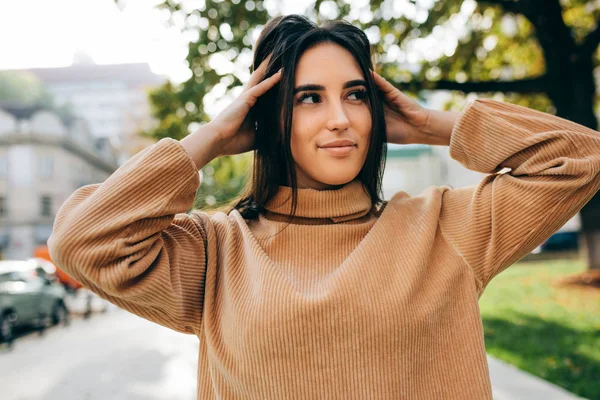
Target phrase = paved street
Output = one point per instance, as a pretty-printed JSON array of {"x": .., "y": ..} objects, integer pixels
[
  {"x": 114, "y": 356},
  {"x": 119, "y": 356}
]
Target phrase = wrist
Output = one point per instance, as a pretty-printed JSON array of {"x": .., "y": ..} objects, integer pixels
[
  {"x": 440, "y": 124},
  {"x": 202, "y": 145}
]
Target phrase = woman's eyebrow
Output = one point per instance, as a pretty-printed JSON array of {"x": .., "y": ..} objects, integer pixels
[
  {"x": 303, "y": 88},
  {"x": 349, "y": 84},
  {"x": 355, "y": 82}
]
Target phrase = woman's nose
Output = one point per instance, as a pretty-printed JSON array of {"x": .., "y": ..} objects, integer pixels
[{"x": 338, "y": 120}]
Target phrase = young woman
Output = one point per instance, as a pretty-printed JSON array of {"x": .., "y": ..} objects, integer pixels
[{"x": 312, "y": 287}]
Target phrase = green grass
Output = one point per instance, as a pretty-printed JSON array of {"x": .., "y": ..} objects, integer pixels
[{"x": 550, "y": 331}]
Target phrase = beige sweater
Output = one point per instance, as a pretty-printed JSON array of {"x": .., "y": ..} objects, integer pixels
[{"x": 349, "y": 302}]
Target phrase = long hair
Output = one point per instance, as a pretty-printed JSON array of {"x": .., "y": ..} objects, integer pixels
[{"x": 286, "y": 38}]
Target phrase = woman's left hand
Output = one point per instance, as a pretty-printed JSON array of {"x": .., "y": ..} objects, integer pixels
[{"x": 406, "y": 121}]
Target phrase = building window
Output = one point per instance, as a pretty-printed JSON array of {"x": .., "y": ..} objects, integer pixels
[
  {"x": 46, "y": 206},
  {"x": 46, "y": 166},
  {"x": 2, "y": 206}
]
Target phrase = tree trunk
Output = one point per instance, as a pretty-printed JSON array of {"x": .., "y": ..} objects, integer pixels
[
  {"x": 590, "y": 231},
  {"x": 590, "y": 249},
  {"x": 574, "y": 97}
]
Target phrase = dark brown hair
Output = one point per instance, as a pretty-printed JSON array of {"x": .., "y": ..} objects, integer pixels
[{"x": 286, "y": 38}]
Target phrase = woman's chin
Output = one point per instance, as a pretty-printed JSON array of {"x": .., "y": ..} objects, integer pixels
[
  {"x": 332, "y": 179},
  {"x": 327, "y": 175}
]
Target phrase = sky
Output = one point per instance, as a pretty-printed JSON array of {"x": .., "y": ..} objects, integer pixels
[{"x": 47, "y": 33}]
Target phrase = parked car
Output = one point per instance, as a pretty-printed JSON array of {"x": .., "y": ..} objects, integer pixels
[
  {"x": 80, "y": 300},
  {"x": 30, "y": 295},
  {"x": 565, "y": 239},
  {"x": 562, "y": 241},
  {"x": 41, "y": 252}
]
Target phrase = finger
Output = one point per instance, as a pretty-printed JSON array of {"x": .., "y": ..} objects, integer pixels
[
  {"x": 390, "y": 91},
  {"x": 383, "y": 84},
  {"x": 258, "y": 74},
  {"x": 263, "y": 87}
]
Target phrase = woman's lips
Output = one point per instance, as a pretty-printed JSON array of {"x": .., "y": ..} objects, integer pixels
[{"x": 338, "y": 151}]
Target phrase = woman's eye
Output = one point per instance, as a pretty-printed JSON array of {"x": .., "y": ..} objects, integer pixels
[
  {"x": 358, "y": 95},
  {"x": 309, "y": 98}
]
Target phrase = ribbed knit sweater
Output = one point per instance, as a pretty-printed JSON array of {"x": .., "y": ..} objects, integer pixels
[{"x": 350, "y": 301}]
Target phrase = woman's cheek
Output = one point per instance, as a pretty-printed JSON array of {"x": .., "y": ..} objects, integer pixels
[
  {"x": 365, "y": 120},
  {"x": 303, "y": 128},
  {"x": 300, "y": 139}
]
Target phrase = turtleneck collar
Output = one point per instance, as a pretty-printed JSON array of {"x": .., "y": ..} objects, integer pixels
[{"x": 347, "y": 203}]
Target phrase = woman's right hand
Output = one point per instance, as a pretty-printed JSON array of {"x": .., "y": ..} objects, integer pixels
[{"x": 233, "y": 127}]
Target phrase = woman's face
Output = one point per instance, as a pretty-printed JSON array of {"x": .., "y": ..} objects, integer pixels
[{"x": 331, "y": 120}]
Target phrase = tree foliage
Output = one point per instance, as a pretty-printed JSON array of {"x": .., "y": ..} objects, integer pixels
[
  {"x": 21, "y": 89},
  {"x": 484, "y": 46},
  {"x": 537, "y": 53}
]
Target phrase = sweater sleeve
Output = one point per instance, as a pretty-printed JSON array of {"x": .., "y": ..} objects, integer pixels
[
  {"x": 554, "y": 170},
  {"x": 131, "y": 240}
]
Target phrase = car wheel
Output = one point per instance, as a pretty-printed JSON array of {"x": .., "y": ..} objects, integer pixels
[
  {"x": 6, "y": 329},
  {"x": 60, "y": 314}
]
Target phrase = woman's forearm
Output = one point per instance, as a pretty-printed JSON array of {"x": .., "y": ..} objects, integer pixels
[
  {"x": 130, "y": 240},
  {"x": 201, "y": 145},
  {"x": 439, "y": 127}
]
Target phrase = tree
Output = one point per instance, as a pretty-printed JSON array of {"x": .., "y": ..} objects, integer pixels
[
  {"x": 23, "y": 89},
  {"x": 538, "y": 53},
  {"x": 20, "y": 89}
]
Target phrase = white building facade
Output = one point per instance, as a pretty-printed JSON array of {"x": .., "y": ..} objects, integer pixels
[
  {"x": 113, "y": 99},
  {"x": 411, "y": 169},
  {"x": 414, "y": 168},
  {"x": 42, "y": 161}
]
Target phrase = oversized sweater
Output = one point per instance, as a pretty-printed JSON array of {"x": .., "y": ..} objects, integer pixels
[{"x": 349, "y": 301}]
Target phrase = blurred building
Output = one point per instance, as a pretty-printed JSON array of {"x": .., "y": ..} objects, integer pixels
[
  {"x": 113, "y": 99},
  {"x": 411, "y": 169},
  {"x": 42, "y": 161},
  {"x": 414, "y": 168}
]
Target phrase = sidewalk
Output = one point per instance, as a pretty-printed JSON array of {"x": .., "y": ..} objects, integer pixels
[
  {"x": 510, "y": 383},
  {"x": 85, "y": 301}
]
